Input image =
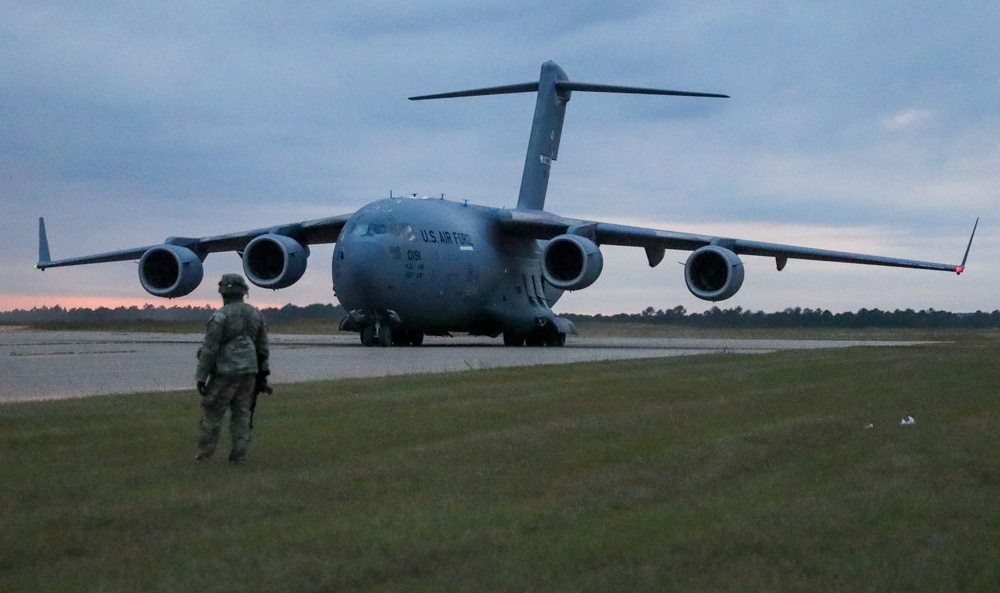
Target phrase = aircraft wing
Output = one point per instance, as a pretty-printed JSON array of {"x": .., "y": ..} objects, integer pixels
[
  {"x": 322, "y": 230},
  {"x": 542, "y": 225}
]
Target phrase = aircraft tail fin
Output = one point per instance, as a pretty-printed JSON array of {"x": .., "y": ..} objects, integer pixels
[
  {"x": 43, "y": 246},
  {"x": 554, "y": 89}
]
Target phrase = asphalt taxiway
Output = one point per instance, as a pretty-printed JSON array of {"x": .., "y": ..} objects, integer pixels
[{"x": 52, "y": 364}]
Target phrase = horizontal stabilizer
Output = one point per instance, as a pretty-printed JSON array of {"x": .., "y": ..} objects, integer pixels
[
  {"x": 527, "y": 87},
  {"x": 566, "y": 85}
]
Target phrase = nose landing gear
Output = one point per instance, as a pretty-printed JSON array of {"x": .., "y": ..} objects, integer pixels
[
  {"x": 372, "y": 335},
  {"x": 381, "y": 329}
]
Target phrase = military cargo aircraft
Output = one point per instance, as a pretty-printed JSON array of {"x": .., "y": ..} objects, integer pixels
[{"x": 405, "y": 267}]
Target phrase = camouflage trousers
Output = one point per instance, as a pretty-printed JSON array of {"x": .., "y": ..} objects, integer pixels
[{"x": 235, "y": 393}]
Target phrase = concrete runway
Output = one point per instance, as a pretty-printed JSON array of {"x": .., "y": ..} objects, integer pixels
[{"x": 50, "y": 365}]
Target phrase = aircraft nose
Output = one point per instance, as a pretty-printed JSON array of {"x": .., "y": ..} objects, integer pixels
[{"x": 362, "y": 280}]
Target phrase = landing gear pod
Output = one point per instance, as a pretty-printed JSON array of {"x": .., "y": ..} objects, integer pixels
[
  {"x": 571, "y": 262},
  {"x": 713, "y": 273},
  {"x": 274, "y": 261},
  {"x": 170, "y": 271}
]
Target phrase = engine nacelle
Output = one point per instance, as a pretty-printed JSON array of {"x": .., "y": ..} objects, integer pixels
[
  {"x": 571, "y": 262},
  {"x": 170, "y": 271},
  {"x": 274, "y": 261},
  {"x": 713, "y": 273}
]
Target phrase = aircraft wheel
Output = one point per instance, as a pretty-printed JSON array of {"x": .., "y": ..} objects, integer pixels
[
  {"x": 384, "y": 335},
  {"x": 534, "y": 340},
  {"x": 368, "y": 336},
  {"x": 416, "y": 338}
]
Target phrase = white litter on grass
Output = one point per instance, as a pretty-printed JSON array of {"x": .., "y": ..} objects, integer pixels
[{"x": 907, "y": 421}]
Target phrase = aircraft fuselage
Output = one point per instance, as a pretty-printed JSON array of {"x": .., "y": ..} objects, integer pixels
[{"x": 431, "y": 266}]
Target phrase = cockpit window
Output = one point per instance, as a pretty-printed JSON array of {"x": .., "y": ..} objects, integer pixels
[
  {"x": 403, "y": 231},
  {"x": 398, "y": 229},
  {"x": 377, "y": 229}
]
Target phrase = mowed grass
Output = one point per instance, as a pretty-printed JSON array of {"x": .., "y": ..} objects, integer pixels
[{"x": 705, "y": 473}]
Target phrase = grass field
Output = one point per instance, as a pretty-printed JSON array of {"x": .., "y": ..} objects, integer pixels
[{"x": 778, "y": 472}]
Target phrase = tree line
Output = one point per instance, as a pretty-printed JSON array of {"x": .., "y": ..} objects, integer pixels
[
  {"x": 807, "y": 318},
  {"x": 161, "y": 314},
  {"x": 714, "y": 317}
]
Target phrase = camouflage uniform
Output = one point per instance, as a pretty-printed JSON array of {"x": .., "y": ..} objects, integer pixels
[{"x": 231, "y": 362}]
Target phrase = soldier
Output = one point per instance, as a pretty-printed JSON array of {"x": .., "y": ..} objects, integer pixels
[{"x": 232, "y": 369}]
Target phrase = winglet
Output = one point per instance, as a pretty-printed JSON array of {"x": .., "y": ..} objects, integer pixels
[
  {"x": 961, "y": 268},
  {"x": 43, "y": 246}
]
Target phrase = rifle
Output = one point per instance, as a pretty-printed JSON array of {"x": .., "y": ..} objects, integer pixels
[{"x": 259, "y": 387}]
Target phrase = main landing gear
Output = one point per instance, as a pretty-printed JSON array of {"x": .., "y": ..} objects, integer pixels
[{"x": 384, "y": 335}]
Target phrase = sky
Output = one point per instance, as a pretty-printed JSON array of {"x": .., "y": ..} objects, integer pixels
[{"x": 869, "y": 126}]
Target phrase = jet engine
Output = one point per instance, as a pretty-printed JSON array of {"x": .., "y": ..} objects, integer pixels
[
  {"x": 571, "y": 262},
  {"x": 713, "y": 273},
  {"x": 274, "y": 261},
  {"x": 170, "y": 271}
]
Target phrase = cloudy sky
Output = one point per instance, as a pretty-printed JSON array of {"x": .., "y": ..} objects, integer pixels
[{"x": 868, "y": 126}]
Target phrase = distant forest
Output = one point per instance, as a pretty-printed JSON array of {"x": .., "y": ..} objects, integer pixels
[
  {"x": 798, "y": 317},
  {"x": 679, "y": 316},
  {"x": 159, "y": 316}
]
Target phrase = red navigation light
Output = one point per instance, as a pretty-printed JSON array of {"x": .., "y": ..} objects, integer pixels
[{"x": 959, "y": 270}]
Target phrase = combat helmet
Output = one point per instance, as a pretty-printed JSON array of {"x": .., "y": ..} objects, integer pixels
[{"x": 233, "y": 284}]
